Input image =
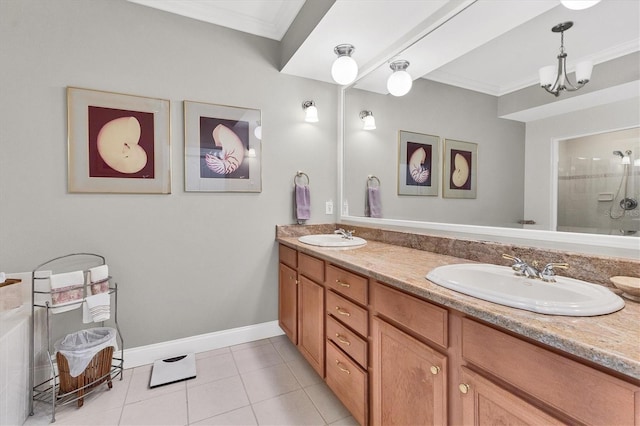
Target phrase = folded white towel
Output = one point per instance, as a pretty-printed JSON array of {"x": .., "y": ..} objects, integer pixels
[
  {"x": 96, "y": 308},
  {"x": 66, "y": 280},
  {"x": 99, "y": 273}
]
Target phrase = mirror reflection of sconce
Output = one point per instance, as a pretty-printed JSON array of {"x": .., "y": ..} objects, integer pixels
[
  {"x": 258, "y": 131},
  {"x": 251, "y": 153},
  {"x": 311, "y": 112},
  {"x": 344, "y": 69},
  {"x": 368, "y": 120},
  {"x": 399, "y": 83}
]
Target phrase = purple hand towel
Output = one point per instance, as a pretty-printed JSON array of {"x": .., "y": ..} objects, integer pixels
[
  {"x": 302, "y": 202},
  {"x": 373, "y": 204}
]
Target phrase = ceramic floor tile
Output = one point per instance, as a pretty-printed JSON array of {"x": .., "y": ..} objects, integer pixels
[
  {"x": 294, "y": 408},
  {"x": 326, "y": 402},
  {"x": 213, "y": 368},
  {"x": 82, "y": 418},
  {"x": 347, "y": 421},
  {"x": 240, "y": 417},
  {"x": 305, "y": 374},
  {"x": 213, "y": 352},
  {"x": 269, "y": 382},
  {"x": 213, "y": 398},
  {"x": 253, "y": 344},
  {"x": 166, "y": 409},
  {"x": 286, "y": 349},
  {"x": 139, "y": 387},
  {"x": 256, "y": 357}
]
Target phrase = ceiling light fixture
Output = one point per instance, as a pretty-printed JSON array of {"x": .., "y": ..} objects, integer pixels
[
  {"x": 344, "y": 69},
  {"x": 399, "y": 83},
  {"x": 579, "y": 4},
  {"x": 554, "y": 79},
  {"x": 311, "y": 112},
  {"x": 368, "y": 119}
]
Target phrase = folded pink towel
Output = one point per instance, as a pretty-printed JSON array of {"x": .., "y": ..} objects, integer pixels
[
  {"x": 67, "y": 288},
  {"x": 302, "y": 203}
]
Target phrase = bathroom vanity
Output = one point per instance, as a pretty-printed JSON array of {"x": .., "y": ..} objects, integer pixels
[{"x": 398, "y": 349}]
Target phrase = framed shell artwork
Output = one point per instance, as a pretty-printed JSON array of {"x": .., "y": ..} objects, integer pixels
[
  {"x": 222, "y": 148},
  {"x": 418, "y": 163},
  {"x": 118, "y": 143},
  {"x": 460, "y": 169}
]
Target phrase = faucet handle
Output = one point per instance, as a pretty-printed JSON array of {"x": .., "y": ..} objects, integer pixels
[
  {"x": 548, "y": 272},
  {"x": 519, "y": 265}
]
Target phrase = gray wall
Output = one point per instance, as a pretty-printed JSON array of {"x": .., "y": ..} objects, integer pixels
[
  {"x": 448, "y": 112},
  {"x": 187, "y": 263}
]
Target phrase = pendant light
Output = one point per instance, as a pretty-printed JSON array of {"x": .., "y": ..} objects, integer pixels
[
  {"x": 344, "y": 69},
  {"x": 579, "y": 4}
]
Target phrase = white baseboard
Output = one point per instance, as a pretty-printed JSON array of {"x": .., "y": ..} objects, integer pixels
[{"x": 142, "y": 355}]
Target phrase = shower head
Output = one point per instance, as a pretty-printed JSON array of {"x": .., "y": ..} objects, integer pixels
[{"x": 618, "y": 153}]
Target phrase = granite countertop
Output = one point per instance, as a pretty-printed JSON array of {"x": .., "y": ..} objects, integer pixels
[{"x": 612, "y": 341}]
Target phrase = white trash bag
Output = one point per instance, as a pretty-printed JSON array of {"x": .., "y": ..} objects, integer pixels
[{"x": 80, "y": 347}]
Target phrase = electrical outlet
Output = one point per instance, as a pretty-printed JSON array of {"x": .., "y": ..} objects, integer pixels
[{"x": 328, "y": 207}]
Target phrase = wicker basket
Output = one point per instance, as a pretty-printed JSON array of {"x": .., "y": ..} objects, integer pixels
[{"x": 98, "y": 367}]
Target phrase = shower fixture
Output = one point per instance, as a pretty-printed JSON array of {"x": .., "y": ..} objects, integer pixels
[{"x": 626, "y": 203}]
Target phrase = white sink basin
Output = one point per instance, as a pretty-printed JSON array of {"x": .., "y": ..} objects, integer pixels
[
  {"x": 332, "y": 240},
  {"x": 498, "y": 284}
]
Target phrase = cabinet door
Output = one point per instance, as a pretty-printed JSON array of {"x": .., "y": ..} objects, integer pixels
[
  {"x": 409, "y": 379},
  {"x": 311, "y": 323},
  {"x": 485, "y": 403},
  {"x": 288, "y": 302}
]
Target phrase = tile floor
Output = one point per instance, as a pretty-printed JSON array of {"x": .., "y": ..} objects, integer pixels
[{"x": 266, "y": 382}]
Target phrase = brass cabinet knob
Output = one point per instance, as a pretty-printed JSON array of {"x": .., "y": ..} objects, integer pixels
[
  {"x": 342, "y": 339},
  {"x": 342, "y": 311},
  {"x": 343, "y": 284},
  {"x": 434, "y": 369},
  {"x": 464, "y": 388},
  {"x": 342, "y": 368}
]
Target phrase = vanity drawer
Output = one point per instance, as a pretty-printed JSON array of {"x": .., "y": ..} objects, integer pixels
[
  {"x": 423, "y": 318},
  {"x": 581, "y": 392},
  {"x": 347, "y": 283},
  {"x": 347, "y": 312},
  {"x": 288, "y": 256},
  {"x": 349, "y": 342},
  {"x": 348, "y": 381},
  {"x": 311, "y": 267}
]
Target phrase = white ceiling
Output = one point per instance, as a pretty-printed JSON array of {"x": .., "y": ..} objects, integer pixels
[{"x": 492, "y": 46}]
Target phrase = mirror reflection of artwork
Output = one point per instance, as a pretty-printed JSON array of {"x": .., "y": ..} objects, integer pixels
[
  {"x": 222, "y": 148},
  {"x": 419, "y": 164},
  {"x": 121, "y": 143},
  {"x": 460, "y": 170}
]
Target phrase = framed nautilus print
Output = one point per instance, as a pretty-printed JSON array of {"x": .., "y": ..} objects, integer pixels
[
  {"x": 460, "y": 169},
  {"x": 118, "y": 143},
  {"x": 222, "y": 148},
  {"x": 418, "y": 163}
]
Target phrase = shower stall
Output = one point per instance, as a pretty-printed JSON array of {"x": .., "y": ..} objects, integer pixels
[{"x": 599, "y": 183}]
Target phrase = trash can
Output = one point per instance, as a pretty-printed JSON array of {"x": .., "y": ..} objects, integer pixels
[{"x": 84, "y": 360}]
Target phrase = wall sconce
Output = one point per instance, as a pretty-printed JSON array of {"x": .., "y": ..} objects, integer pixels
[
  {"x": 311, "y": 112},
  {"x": 368, "y": 119},
  {"x": 399, "y": 83},
  {"x": 344, "y": 69},
  {"x": 258, "y": 131},
  {"x": 251, "y": 153}
]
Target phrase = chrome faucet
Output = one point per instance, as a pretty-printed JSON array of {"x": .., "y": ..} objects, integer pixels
[
  {"x": 547, "y": 273},
  {"x": 345, "y": 234}
]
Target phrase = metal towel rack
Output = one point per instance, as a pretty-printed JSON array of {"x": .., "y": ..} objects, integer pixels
[
  {"x": 300, "y": 174},
  {"x": 371, "y": 179}
]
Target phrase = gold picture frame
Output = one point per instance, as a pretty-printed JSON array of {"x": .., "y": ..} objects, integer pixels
[
  {"x": 460, "y": 167},
  {"x": 117, "y": 143}
]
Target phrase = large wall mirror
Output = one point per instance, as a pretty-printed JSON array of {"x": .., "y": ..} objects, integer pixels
[{"x": 486, "y": 96}]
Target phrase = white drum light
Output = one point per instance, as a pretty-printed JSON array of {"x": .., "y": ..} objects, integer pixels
[
  {"x": 311, "y": 112},
  {"x": 258, "y": 131},
  {"x": 368, "y": 120},
  {"x": 399, "y": 83},
  {"x": 344, "y": 69},
  {"x": 554, "y": 79},
  {"x": 579, "y": 4}
]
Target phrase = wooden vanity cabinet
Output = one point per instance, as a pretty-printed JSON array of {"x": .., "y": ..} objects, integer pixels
[{"x": 288, "y": 293}]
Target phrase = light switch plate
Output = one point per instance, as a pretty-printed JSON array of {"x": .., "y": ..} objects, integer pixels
[{"x": 328, "y": 207}]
